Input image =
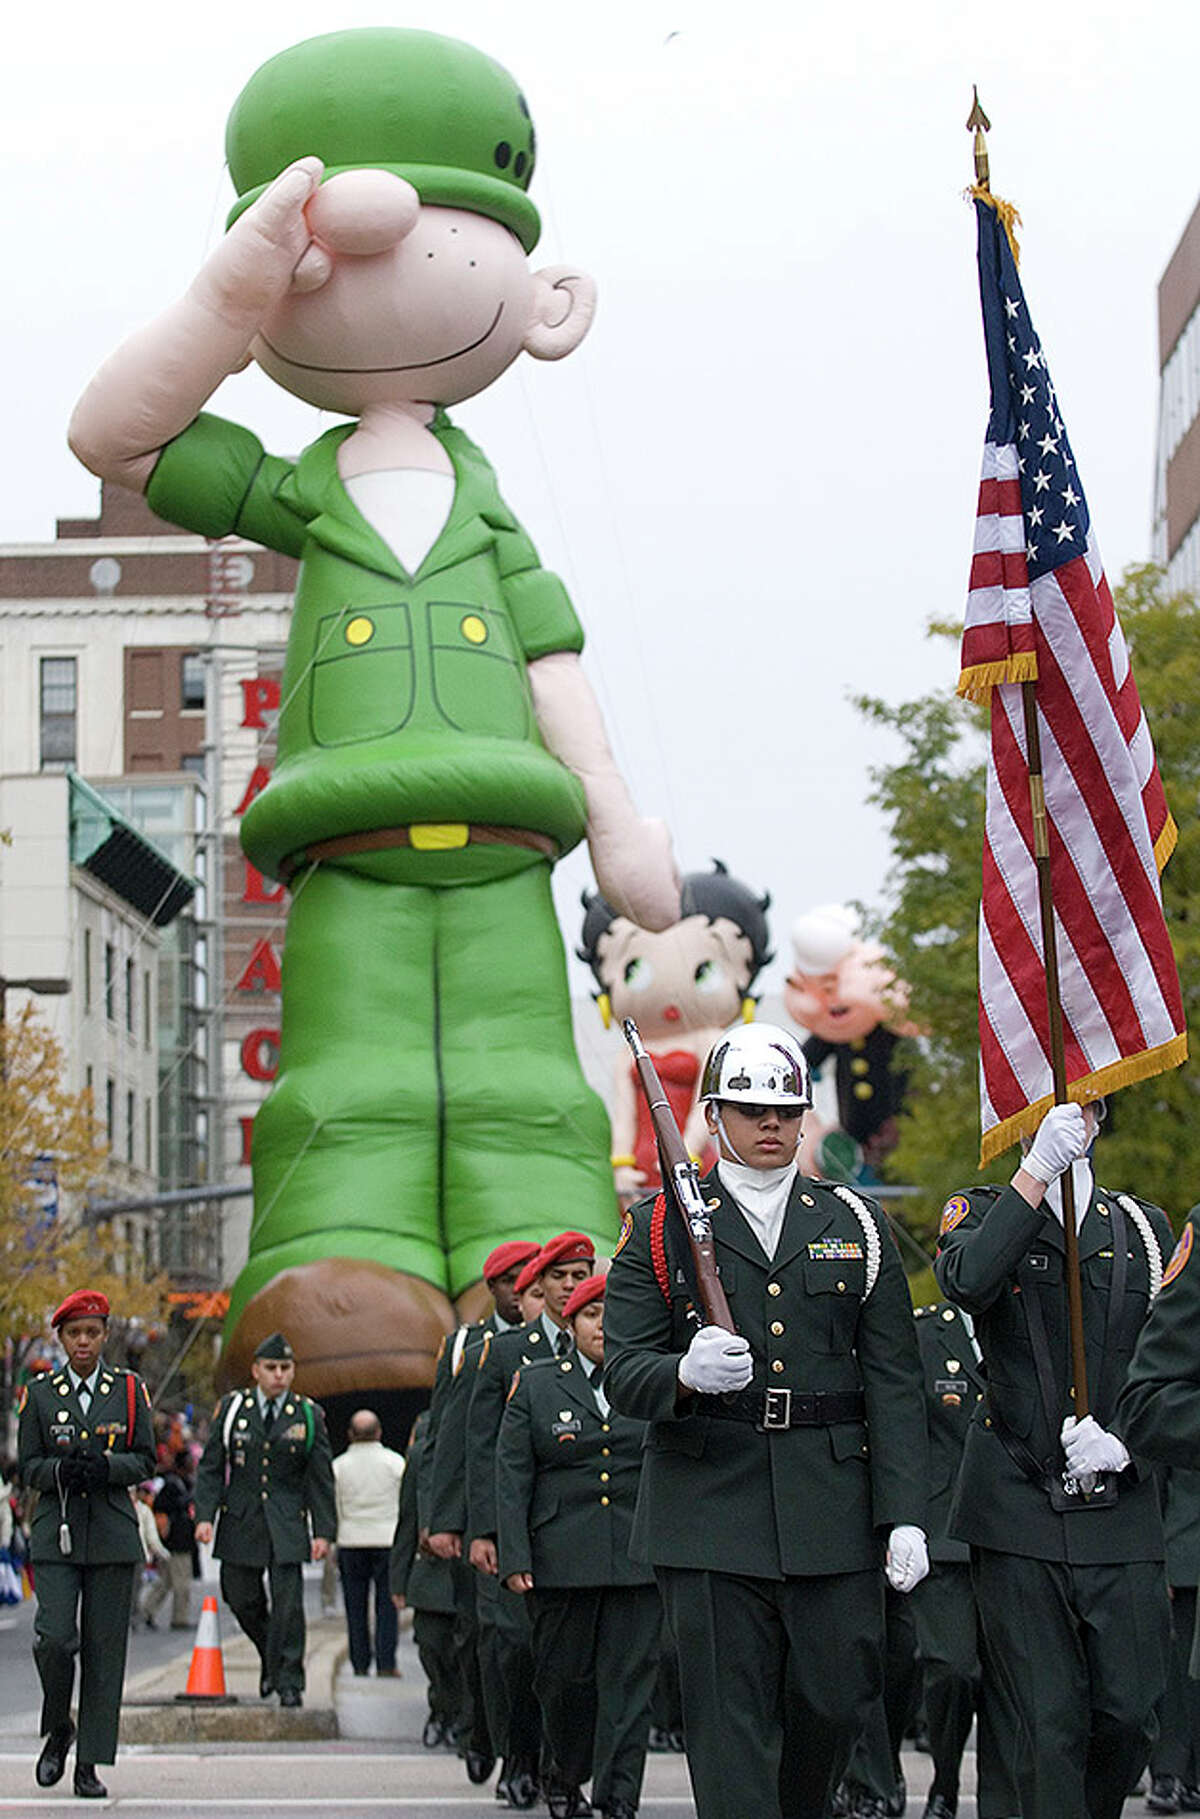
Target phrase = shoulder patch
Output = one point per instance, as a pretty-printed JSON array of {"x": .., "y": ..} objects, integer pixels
[
  {"x": 512, "y": 1388},
  {"x": 953, "y": 1213},
  {"x": 441, "y": 1350},
  {"x": 626, "y": 1233},
  {"x": 484, "y": 1349},
  {"x": 1180, "y": 1254},
  {"x": 23, "y": 1398},
  {"x": 145, "y": 1395}
]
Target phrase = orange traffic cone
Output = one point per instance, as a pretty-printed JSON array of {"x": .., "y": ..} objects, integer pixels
[{"x": 206, "y": 1676}]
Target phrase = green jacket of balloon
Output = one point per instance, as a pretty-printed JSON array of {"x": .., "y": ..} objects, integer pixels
[{"x": 438, "y": 745}]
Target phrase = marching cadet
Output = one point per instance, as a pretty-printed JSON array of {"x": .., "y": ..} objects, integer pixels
[
  {"x": 1064, "y": 1528},
  {"x": 445, "y": 1468},
  {"x": 513, "y": 1717},
  {"x": 567, "y": 1470},
  {"x": 425, "y": 1584},
  {"x": 85, "y": 1437},
  {"x": 783, "y": 1462},
  {"x": 943, "y": 1605},
  {"x": 1159, "y": 1416},
  {"x": 266, "y": 1472}
]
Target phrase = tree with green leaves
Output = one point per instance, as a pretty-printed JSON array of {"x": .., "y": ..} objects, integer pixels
[{"x": 933, "y": 800}]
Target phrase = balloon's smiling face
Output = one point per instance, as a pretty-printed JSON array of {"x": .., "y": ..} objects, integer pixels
[
  {"x": 434, "y": 318},
  {"x": 691, "y": 976}
]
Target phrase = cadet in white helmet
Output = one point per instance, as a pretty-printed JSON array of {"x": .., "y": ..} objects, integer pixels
[{"x": 785, "y": 1461}]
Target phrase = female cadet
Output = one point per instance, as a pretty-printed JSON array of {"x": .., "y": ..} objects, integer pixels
[{"x": 567, "y": 1470}]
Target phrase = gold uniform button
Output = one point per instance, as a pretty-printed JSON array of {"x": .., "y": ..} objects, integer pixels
[
  {"x": 777, "y": 1366},
  {"x": 605, "y": 1452},
  {"x": 860, "y": 1065},
  {"x": 1102, "y": 1210},
  {"x": 264, "y": 1496},
  {"x": 777, "y": 1327},
  {"x": 947, "y": 1313},
  {"x": 604, "y": 1427},
  {"x": 841, "y": 1288},
  {"x": 604, "y": 1477},
  {"x": 360, "y": 631},
  {"x": 773, "y": 1288},
  {"x": 807, "y": 1200},
  {"x": 565, "y": 1365},
  {"x": 83, "y": 1433},
  {"x": 863, "y": 1089},
  {"x": 63, "y": 1415},
  {"x": 604, "y": 1501},
  {"x": 473, "y": 629}
]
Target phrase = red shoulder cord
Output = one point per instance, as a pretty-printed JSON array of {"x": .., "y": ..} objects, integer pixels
[
  {"x": 130, "y": 1406},
  {"x": 658, "y": 1246}
]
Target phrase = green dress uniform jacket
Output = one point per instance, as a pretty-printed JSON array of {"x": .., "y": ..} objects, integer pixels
[
  {"x": 263, "y": 1490},
  {"x": 447, "y": 1435},
  {"x": 496, "y": 1362},
  {"x": 1159, "y": 1409},
  {"x": 722, "y": 1495},
  {"x": 997, "y": 1255},
  {"x": 954, "y": 1385},
  {"x": 103, "y": 1524},
  {"x": 566, "y": 1481},
  {"x": 425, "y": 1583}
]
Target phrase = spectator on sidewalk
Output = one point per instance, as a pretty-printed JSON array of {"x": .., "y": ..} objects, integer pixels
[
  {"x": 367, "y": 1482},
  {"x": 154, "y": 1554},
  {"x": 176, "y": 1525}
]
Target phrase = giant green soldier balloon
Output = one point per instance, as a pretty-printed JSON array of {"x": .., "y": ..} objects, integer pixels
[{"x": 439, "y": 746}]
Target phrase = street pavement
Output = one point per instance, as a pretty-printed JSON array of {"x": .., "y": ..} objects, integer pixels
[{"x": 352, "y": 1774}]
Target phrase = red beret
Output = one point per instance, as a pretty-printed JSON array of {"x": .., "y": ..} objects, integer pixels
[
  {"x": 519, "y": 1250},
  {"x": 591, "y": 1290},
  {"x": 568, "y": 1247},
  {"x": 84, "y": 1304}
]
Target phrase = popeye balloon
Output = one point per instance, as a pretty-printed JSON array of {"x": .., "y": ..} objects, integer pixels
[{"x": 438, "y": 745}]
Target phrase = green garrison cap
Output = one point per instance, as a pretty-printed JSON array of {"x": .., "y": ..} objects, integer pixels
[
  {"x": 435, "y": 111},
  {"x": 274, "y": 1346}
]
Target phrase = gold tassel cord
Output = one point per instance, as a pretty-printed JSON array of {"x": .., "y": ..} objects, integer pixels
[{"x": 1009, "y": 213}]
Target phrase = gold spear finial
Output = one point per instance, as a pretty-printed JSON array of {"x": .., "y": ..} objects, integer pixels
[{"x": 978, "y": 122}]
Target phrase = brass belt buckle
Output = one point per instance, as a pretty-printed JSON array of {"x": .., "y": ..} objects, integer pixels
[{"x": 777, "y": 1411}]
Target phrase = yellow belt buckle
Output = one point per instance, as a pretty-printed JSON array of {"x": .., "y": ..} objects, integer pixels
[{"x": 438, "y": 836}]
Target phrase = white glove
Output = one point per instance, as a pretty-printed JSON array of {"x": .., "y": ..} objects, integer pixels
[
  {"x": 716, "y": 1361},
  {"x": 1090, "y": 1448},
  {"x": 1062, "y": 1138},
  {"x": 907, "y": 1558}
]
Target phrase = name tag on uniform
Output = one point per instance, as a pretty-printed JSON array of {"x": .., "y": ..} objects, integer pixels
[
  {"x": 949, "y": 1385},
  {"x": 834, "y": 1250},
  {"x": 62, "y": 1432},
  {"x": 567, "y": 1427}
]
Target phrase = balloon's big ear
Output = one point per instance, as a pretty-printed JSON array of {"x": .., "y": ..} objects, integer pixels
[{"x": 564, "y": 302}]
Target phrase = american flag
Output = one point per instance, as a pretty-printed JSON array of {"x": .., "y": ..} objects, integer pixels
[{"x": 1039, "y": 609}]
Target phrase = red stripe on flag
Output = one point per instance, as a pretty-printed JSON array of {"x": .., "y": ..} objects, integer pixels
[
  {"x": 999, "y": 498},
  {"x": 1005, "y": 568}
]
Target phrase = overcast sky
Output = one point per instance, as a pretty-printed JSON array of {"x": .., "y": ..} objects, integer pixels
[{"x": 758, "y": 474}]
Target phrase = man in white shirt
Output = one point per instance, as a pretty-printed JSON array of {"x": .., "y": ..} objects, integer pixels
[{"x": 367, "y": 1482}]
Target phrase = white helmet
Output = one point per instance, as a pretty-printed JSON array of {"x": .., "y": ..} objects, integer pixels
[{"x": 757, "y": 1064}]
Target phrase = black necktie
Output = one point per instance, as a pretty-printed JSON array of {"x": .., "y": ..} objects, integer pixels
[
  {"x": 562, "y": 1344},
  {"x": 272, "y": 1412}
]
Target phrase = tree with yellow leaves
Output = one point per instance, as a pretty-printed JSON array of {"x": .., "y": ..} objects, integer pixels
[{"x": 49, "y": 1133}]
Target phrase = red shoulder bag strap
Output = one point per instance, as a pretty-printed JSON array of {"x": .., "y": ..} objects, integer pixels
[{"x": 130, "y": 1406}]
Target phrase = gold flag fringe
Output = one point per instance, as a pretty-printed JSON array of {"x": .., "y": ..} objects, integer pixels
[
  {"x": 1133, "y": 1068},
  {"x": 1009, "y": 213},
  {"x": 977, "y": 683}
]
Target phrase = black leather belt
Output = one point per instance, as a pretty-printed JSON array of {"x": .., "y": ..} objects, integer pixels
[{"x": 773, "y": 1410}]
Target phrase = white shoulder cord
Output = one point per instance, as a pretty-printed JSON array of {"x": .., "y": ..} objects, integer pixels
[
  {"x": 870, "y": 1232},
  {"x": 1154, "y": 1262}
]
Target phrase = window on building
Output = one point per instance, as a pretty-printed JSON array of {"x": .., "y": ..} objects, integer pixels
[
  {"x": 110, "y": 1109},
  {"x": 147, "y": 1031},
  {"x": 110, "y": 981},
  {"x": 129, "y": 1128},
  {"x": 130, "y": 991},
  {"x": 147, "y": 1249},
  {"x": 87, "y": 970},
  {"x": 58, "y": 708},
  {"x": 148, "y": 1134},
  {"x": 191, "y": 680},
  {"x": 89, "y": 1080}
]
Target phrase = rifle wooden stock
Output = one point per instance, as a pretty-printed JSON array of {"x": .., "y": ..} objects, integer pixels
[{"x": 681, "y": 1184}]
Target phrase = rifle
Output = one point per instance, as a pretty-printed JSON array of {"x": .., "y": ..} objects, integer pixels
[{"x": 681, "y": 1182}]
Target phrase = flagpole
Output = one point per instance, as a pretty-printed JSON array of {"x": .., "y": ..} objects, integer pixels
[
  {"x": 1058, "y": 1054},
  {"x": 979, "y": 123}
]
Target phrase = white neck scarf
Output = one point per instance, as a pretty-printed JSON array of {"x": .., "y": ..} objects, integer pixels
[
  {"x": 761, "y": 1195},
  {"x": 1082, "y": 1180}
]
